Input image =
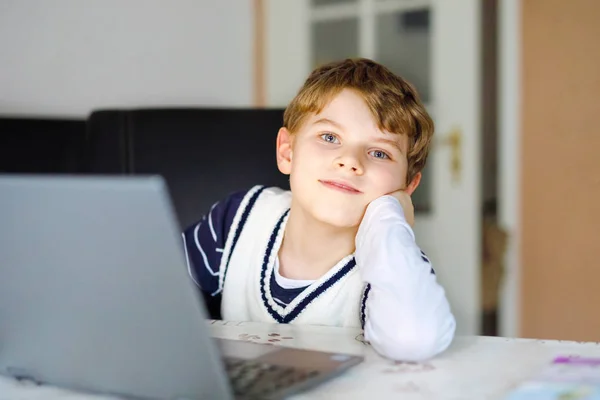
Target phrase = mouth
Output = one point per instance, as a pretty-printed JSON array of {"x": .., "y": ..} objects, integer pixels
[{"x": 340, "y": 186}]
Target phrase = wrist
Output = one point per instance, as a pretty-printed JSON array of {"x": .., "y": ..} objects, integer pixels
[
  {"x": 387, "y": 205},
  {"x": 380, "y": 213}
]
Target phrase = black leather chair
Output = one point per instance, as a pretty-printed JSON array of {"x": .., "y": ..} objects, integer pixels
[
  {"x": 203, "y": 154},
  {"x": 41, "y": 145}
]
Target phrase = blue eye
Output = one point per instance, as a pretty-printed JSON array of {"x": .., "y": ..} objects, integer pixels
[
  {"x": 330, "y": 138},
  {"x": 379, "y": 154}
]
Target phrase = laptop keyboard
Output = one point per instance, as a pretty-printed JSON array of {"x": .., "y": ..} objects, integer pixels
[{"x": 258, "y": 380}]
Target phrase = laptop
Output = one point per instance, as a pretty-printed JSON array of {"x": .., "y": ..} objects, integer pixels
[{"x": 95, "y": 296}]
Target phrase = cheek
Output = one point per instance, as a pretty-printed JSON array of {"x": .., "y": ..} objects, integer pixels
[
  {"x": 310, "y": 157},
  {"x": 387, "y": 179}
]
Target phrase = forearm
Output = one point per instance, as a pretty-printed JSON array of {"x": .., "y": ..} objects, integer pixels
[{"x": 407, "y": 314}]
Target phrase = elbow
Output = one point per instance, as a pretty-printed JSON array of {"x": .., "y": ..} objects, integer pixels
[
  {"x": 414, "y": 345},
  {"x": 410, "y": 349}
]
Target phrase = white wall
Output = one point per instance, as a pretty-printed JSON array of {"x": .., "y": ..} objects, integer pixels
[
  {"x": 67, "y": 57},
  {"x": 287, "y": 48}
]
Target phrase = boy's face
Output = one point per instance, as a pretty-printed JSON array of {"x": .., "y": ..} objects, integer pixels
[{"x": 339, "y": 161}]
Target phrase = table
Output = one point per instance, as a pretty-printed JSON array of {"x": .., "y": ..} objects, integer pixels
[{"x": 472, "y": 368}]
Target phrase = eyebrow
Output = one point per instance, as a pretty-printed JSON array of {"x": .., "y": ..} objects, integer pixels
[
  {"x": 330, "y": 122},
  {"x": 390, "y": 142}
]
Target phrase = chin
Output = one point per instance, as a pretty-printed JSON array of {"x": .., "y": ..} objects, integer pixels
[{"x": 339, "y": 217}]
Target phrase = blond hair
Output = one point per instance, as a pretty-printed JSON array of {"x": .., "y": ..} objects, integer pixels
[{"x": 394, "y": 103}]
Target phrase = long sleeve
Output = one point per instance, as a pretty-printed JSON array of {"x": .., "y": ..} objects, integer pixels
[
  {"x": 407, "y": 315},
  {"x": 203, "y": 244}
]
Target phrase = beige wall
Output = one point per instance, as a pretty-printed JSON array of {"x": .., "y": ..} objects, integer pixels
[{"x": 561, "y": 169}]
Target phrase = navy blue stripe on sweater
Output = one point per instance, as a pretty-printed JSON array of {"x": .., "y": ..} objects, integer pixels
[
  {"x": 363, "y": 306},
  {"x": 242, "y": 224},
  {"x": 426, "y": 259}
]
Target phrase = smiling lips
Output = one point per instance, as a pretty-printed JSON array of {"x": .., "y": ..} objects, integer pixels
[{"x": 340, "y": 186}]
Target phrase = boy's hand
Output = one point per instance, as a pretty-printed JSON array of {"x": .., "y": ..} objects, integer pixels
[{"x": 407, "y": 204}]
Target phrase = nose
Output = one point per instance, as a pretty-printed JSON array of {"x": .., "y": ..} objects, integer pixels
[{"x": 351, "y": 163}]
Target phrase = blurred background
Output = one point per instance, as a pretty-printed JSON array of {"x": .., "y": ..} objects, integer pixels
[{"x": 509, "y": 206}]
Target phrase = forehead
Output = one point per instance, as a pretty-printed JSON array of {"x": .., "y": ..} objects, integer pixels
[{"x": 348, "y": 109}]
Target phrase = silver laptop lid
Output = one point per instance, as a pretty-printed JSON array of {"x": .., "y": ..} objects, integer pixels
[{"x": 73, "y": 252}]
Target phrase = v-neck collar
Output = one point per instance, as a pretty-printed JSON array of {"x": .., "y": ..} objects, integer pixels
[{"x": 310, "y": 293}]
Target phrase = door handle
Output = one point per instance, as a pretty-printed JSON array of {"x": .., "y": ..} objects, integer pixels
[{"x": 454, "y": 140}]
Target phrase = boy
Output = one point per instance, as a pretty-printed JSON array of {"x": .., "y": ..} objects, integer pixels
[{"x": 338, "y": 249}]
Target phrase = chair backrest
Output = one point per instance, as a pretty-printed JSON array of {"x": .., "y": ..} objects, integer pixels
[
  {"x": 41, "y": 145},
  {"x": 204, "y": 154}
]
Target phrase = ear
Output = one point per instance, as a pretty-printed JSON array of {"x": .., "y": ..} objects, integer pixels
[
  {"x": 284, "y": 151},
  {"x": 414, "y": 184}
]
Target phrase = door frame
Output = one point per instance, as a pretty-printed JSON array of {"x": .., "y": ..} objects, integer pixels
[{"x": 509, "y": 161}]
